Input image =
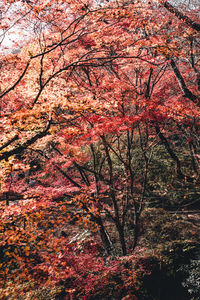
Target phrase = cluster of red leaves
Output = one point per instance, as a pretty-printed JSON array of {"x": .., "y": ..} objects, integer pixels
[{"x": 39, "y": 251}]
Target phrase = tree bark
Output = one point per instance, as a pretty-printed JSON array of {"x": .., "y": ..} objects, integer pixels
[{"x": 181, "y": 16}]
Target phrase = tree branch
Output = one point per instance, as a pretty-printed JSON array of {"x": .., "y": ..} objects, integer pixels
[
  {"x": 16, "y": 137},
  {"x": 16, "y": 83},
  {"x": 181, "y": 81},
  {"x": 181, "y": 16},
  {"x": 5, "y": 155}
]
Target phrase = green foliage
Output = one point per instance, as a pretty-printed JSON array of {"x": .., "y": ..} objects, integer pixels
[{"x": 163, "y": 228}]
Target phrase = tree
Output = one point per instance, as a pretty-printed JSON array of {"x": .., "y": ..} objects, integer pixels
[{"x": 92, "y": 106}]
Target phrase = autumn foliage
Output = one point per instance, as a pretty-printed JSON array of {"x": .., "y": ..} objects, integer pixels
[{"x": 99, "y": 118}]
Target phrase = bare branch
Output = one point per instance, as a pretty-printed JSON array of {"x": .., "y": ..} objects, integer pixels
[{"x": 181, "y": 16}]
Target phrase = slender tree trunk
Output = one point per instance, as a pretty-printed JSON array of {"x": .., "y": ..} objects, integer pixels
[
  {"x": 136, "y": 231},
  {"x": 105, "y": 238},
  {"x": 120, "y": 230}
]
